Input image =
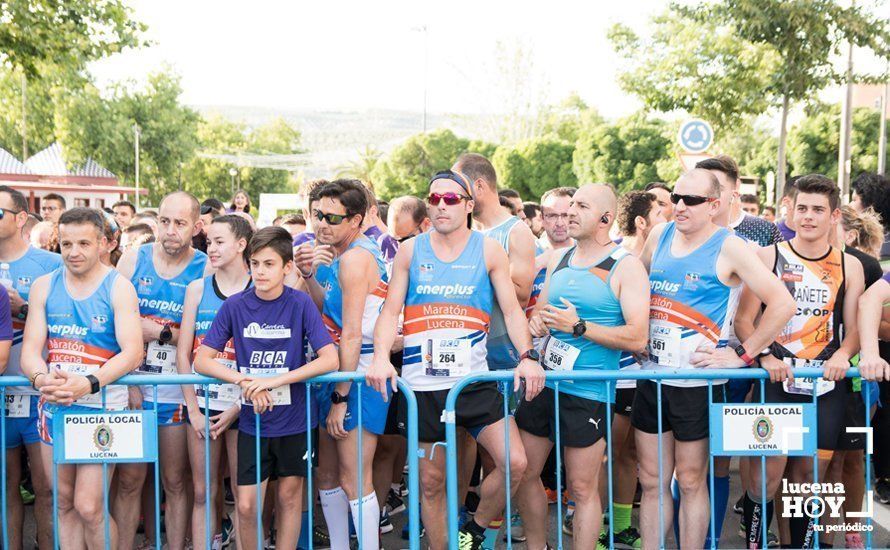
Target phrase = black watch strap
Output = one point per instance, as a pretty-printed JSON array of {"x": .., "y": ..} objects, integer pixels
[
  {"x": 579, "y": 328},
  {"x": 95, "y": 386}
]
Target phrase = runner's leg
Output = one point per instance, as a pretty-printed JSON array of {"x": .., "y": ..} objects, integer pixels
[
  {"x": 530, "y": 496},
  {"x": 647, "y": 451}
]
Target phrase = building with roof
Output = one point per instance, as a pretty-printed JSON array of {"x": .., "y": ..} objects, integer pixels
[{"x": 89, "y": 184}]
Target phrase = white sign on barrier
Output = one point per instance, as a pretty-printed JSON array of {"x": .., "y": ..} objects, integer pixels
[
  {"x": 762, "y": 429},
  {"x": 104, "y": 437}
]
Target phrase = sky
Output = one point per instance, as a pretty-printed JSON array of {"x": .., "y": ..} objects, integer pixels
[{"x": 357, "y": 55}]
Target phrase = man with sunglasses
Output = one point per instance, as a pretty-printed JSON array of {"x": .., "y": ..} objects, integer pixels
[
  {"x": 696, "y": 269},
  {"x": 447, "y": 280},
  {"x": 26, "y": 264},
  {"x": 351, "y": 292},
  {"x": 161, "y": 272}
]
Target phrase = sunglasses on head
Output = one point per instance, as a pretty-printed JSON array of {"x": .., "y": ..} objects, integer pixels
[
  {"x": 331, "y": 219},
  {"x": 4, "y": 211},
  {"x": 457, "y": 178},
  {"x": 690, "y": 200},
  {"x": 450, "y": 198}
]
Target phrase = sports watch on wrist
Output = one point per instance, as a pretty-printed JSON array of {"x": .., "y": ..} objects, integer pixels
[
  {"x": 23, "y": 312},
  {"x": 336, "y": 398},
  {"x": 166, "y": 335},
  {"x": 95, "y": 386},
  {"x": 579, "y": 328},
  {"x": 531, "y": 354},
  {"x": 743, "y": 354}
]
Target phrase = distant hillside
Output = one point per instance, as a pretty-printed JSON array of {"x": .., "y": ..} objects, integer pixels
[{"x": 332, "y": 138}]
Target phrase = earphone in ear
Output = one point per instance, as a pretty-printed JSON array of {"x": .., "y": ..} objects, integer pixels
[{"x": 604, "y": 219}]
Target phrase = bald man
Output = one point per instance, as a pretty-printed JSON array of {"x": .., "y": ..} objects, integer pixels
[
  {"x": 161, "y": 271},
  {"x": 594, "y": 304}
]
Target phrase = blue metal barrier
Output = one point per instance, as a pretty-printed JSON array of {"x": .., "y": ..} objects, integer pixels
[
  {"x": 505, "y": 378},
  {"x": 414, "y": 454}
]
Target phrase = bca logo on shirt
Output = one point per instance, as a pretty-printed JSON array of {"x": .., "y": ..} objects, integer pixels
[
  {"x": 267, "y": 358},
  {"x": 98, "y": 322}
]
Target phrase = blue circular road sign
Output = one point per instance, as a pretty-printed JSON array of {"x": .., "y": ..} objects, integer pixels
[{"x": 695, "y": 136}]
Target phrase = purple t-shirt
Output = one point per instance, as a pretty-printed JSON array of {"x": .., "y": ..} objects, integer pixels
[
  {"x": 304, "y": 237},
  {"x": 5, "y": 315},
  {"x": 388, "y": 245},
  {"x": 271, "y": 334},
  {"x": 787, "y": 232}
]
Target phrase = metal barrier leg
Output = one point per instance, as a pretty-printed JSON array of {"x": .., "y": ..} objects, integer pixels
[
  {"x": 207, "y": 535},
  {"x": 259, "y": 485},
  {"x": 609, "y": 464},
  {"x": 764, "y": 540},
  {"x": 508, "y": 516},
  {"x": 360, "y": 480},
  {"x": 869, "y": 439},
  {"x": 711, "y": 471},
  {"x": 414, "y": 453},
  {"x": 558, "y": 447},
  {"x": 157, "y": 476},
  {"x": 660, "y": 473},
  {"x": 310, "y": 495},
  {"x": 3, "y": 466}
]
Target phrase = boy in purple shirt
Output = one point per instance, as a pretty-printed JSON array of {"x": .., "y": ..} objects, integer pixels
[{"x": 270, "y": 324}]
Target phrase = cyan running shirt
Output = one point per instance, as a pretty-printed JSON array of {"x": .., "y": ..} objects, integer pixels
[
  {"x": 332, "y": 309},
  {"x": 23, "y": 272},
  {"x": 161, "y": 300},
  {"x": 81, "y": 335},
  {"x": 689, "y": 306},
  {"x": 588, "y": 288},
  {"x": 446, "y": 315},
  {"x": 501, "y": 352},
  {"x": 222, "y": 396}
]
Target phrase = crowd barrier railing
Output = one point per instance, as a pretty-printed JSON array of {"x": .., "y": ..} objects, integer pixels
[
  {"x": 150, "y": 452},
  {"x": 505, "y": 380}
]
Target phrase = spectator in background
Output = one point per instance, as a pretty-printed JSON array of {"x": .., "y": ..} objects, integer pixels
[
  {"x": 533, "y": 217},
  {"x": 33, "y": 220},
  {"x": 52, "y": 206},
  {"x": 44, "y": 235},
  {"x": 383, "y": 210},
  {"x": 750, "y": 205},
  {"x": 123, "y": 213},
  {"x": 307, "y": 194},
  {"x": 294, "y": 223},
  {"x": 769, "y": 214},
  {"x": 662, "y": 192},
  {"x": 240, "y": 203},
  {"x": 210, "y": 209},
  {"x": 512, "y": 196},
  {"x": 786, "y": 224},
  {"x": 375, "y": 229},
  {"x": 136, "y": 235},
  {"x": 555, "y": 211},
  {"x": 247, "y": 217},
  {"x": 407, "y": 218},
  {"x": 149, "y": 218},
  {"x": 873, "y": 191},
  {"x": 511, "y": 207}
]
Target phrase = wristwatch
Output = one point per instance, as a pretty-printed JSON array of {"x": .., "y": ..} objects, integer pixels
[
  {"x": 166, "y": 335},
  {"x": 94, "y": 383},
  {"x": 531, "y": 354},
  {"x": 579, "y": 328},
  {"x": 740, "y": 351},
  {"x": 336, "y": 398},
  {"x": 23, "y": 312}
]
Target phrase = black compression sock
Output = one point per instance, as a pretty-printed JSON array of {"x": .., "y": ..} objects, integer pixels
[
  {"x": 753, "y": 515},
  {"x": 474, "y": 528}
]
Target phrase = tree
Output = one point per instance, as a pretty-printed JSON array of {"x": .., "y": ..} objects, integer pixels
[
  {"x": 804, "y": 35},
  {"x": 204, "y": 175},
  {"x": 362, "y": 167},
  {"x": 69, "y": 34},
  {"x": 624, "y": 154},
  {"x": 696, "y": 66},
  {"x": 813, "y": 145},
  {"x": 88, "y": 125},
  {"x": 408, "y": 167},
  {"x": 534, "y": 166}
]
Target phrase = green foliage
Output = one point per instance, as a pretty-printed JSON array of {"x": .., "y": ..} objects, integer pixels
[
  {"x": 361, "y": 168},
  {"x": 69, "y": 34},
  {"x": 534, "y": 166},
  {"x": 625, "y": 154},
  {"x": 407, "y": 169},
  {"x": 696, "y": 66},
  {"x": 813, "y": 144},
  {"x": 481, "y": 147}
]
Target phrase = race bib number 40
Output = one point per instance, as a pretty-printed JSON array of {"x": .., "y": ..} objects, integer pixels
[
  {"x": 448, "y": 357},
  {"x": 559, "y": 355},
  {"x": 159, "y": 359}
]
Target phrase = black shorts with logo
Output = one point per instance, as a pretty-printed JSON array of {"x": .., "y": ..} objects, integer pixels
[
  {"x": 831, "y": 409},
  {"x": 280, "y": 456},
  {"x": 624, "y": 400},
  {"x": 684, "y": 411},
  {"x": 854, "y": 418},
  {"x": 396, "y": 400},
  {"x": 478, "y": 406},
  {"x": 582, "y": 422}
]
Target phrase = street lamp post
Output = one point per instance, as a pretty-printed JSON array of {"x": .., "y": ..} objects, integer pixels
[
  {"x": 137, "y": 133},
  {"x": 233, "y": 172}
]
